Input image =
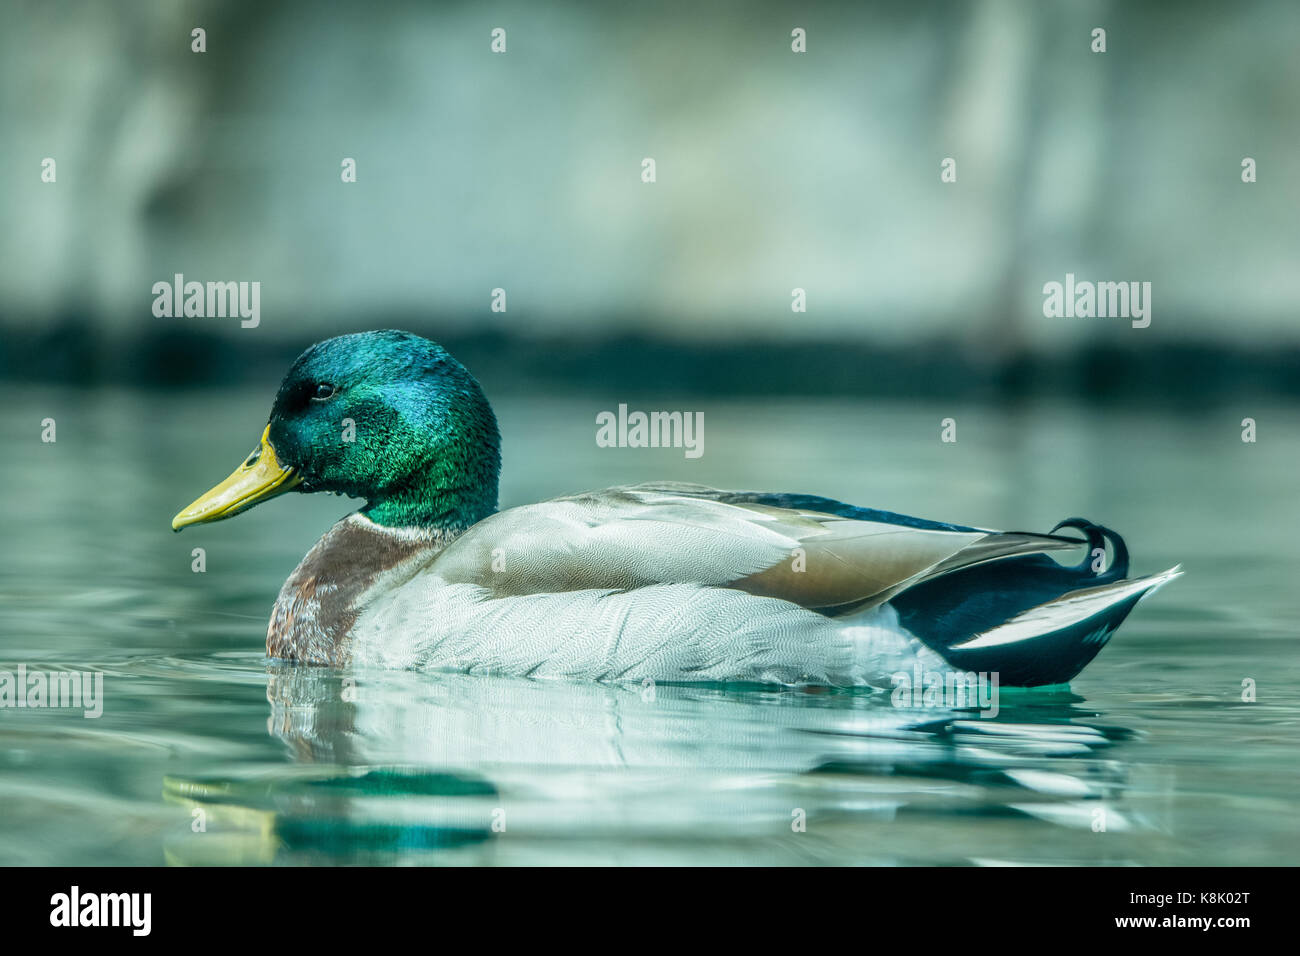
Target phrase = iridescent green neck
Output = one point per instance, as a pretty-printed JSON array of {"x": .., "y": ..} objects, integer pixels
[
  {"x": 433, "y": 506},
  {"x": 445, "y": 487}
]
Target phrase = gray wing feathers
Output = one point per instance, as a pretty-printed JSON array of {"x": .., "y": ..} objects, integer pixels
[{"x": 637, "y": 536}]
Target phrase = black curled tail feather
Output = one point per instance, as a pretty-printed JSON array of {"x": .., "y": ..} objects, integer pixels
[
  {"x": 947, "y": 611},
  {"x": 1097, "y": 536}
]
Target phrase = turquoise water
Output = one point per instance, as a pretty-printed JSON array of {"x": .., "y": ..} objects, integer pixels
[{"x": 208, "y": 753}]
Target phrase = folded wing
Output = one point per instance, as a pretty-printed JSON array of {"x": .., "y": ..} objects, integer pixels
[{"x": 814, "y": 552}]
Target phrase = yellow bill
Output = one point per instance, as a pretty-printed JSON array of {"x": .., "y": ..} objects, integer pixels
[{"x": 260, "y": 477}]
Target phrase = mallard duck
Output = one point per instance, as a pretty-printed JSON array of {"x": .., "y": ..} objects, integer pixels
[{"x": 661, "y": 581}]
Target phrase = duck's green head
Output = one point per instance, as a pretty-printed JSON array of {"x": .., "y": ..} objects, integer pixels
[{"x": 386, "y": 416}]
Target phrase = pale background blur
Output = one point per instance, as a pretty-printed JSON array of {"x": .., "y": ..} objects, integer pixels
[{"x": 775, "y": 170}]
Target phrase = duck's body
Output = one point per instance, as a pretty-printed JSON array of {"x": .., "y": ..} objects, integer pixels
[{"x": 670, "y": 582}]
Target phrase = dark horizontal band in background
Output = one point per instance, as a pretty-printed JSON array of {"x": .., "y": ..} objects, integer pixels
[{"x": 1184, "y": 374}]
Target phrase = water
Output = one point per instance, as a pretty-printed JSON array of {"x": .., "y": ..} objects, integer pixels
[{"x": 208, "y": 753}]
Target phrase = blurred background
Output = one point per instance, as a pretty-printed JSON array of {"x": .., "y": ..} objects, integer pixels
[{"x": 775, "y": 170}]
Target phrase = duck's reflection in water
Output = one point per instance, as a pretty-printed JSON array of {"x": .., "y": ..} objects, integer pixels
[{"x": 418, "y": 767}]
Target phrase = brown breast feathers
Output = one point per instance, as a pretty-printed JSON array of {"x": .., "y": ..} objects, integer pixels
[{"x": 354, "y": 561}]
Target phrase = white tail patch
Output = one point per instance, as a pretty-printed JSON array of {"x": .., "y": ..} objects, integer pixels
[{"x": 1067, "y": 610}]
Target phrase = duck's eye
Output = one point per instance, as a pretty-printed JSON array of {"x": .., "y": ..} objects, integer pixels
[{"x": 323, "y": 391}]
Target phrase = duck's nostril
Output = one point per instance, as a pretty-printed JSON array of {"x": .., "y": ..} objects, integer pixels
[{"x": 252, "y": 459}]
